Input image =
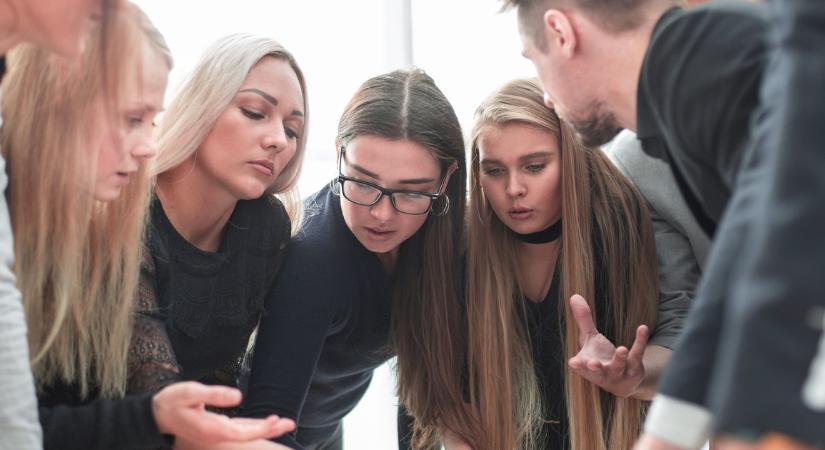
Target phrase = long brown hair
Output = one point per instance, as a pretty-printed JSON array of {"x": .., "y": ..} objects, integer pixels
[
  {"x": 600, "y": 209},
  {"x": 77, "y": 259},
  {"x": 407, "y": 104}
]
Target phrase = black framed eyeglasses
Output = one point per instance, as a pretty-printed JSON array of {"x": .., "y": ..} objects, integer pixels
[{"x": 365, "y": 193}]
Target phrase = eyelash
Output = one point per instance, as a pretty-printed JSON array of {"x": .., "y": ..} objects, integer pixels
[
  {"x": 252, "y": 114},
  {"x": 497, "y": 171},
  {"x": 292, "y": 134}
]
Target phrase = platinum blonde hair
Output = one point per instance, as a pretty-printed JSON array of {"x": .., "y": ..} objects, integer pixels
[{"x": 209, "y": 90}]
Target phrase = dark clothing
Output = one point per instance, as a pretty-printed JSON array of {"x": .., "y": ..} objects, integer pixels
[
  {"x": 324, "y": 329},
  {"x": 71, "y": 423},
  {"x": 546, "y": 325},
  {"x": 197, "y": 309},
  {"x": 773, "y": 319},
  {"x": 747, "y": 345},
  {"x": 697, "y": 87}
]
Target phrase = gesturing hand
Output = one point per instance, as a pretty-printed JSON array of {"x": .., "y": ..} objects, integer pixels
[
  {"x": 179, "y": 409},
  {"x": 616, "y": 370}
]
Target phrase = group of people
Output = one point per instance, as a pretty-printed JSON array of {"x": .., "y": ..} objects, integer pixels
[{"x": 537, "y": 289}]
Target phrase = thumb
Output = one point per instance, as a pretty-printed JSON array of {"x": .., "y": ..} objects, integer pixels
[
  {"x": 583, "y": 317},
  {"x": 193, "y": 393}
]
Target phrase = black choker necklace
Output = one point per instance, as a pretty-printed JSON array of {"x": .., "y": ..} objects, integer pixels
[{"x": 544, "y": 236}]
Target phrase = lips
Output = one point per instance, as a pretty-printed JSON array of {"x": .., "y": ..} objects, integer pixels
[
  {"x": 377, "y": 234},
  {"x": 520, "y": 213},
  {"x": 263, "y": 166}
]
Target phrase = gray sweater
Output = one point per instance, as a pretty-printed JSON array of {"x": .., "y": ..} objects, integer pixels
[{"x": 19, "y": 426}]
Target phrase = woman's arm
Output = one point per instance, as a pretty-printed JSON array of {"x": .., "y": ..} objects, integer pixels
[
  {"x": 296, "y": 320},
  {"x": 149, "y": 421},
  {"x": 152, "y": 362}
]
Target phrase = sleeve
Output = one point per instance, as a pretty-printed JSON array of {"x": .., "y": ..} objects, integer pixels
[
  {"x": 297, "y": 318},
  {"x": 19, "y": 427},
  {"x": 102, "y": 425},
  {"x": 774, "y": 316},
  {"x": 151, "y": 361},
  {"x": 700, "y": 108},
  {"x": 689, "y": 373},
  {"x": 678, "y": 277}
]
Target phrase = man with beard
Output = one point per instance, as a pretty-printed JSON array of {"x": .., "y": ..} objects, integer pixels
[{"x": 688, "y": 82}]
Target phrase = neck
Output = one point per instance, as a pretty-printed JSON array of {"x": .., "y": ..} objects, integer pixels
[
  {"x": 197, "y": 208},
  {"x": 626, "y": 55},
  {"x": 388, "y": 260}
]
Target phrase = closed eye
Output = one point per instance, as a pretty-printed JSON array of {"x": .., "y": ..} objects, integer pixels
[
  {"x": 252, "y": 114},
  {"x": 493, "y": 171},
  {"x": 535, "y": 168}
]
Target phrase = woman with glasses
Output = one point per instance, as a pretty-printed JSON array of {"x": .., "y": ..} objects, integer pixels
[{"x": 377, "y": 253}]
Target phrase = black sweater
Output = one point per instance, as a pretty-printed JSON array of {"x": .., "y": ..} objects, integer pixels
[
  {"x": 207, "y": 305},
  {"x": 325, "y": 328}
]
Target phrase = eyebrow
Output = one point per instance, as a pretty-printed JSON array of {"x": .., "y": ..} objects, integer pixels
[
  {"x": 375, "y": 175},
  {"x": 271, "y": 99},
  {"x": 521, "y": 159}
]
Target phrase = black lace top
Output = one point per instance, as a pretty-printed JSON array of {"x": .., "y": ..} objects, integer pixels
[{"x": 196, "y": 309}]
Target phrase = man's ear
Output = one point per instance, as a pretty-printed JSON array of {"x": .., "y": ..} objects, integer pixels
[{"x": 559, "y": 32}]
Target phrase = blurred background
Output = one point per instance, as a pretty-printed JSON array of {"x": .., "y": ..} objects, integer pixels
[{"x": 467, "y": 46}]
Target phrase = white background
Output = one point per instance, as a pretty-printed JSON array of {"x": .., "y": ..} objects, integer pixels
[{"x": 465, "y": 45}]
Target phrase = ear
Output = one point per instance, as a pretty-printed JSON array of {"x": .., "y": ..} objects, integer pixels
[
  {"x": 450, "y": 170},
  {"x": 337, "y": 150},
  {"x": 559, "y": 32}
]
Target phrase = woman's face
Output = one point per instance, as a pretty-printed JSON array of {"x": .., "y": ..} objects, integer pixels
[
  {"x": 392, "y": 164},
  {"x": 125, "y": 142},
  {"x": 520, "y": 174},
  {"x": 257, "y": 135},
  {"x": 62, "y": 25}
]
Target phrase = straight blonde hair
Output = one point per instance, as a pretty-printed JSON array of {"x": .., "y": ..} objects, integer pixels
[
  {"x": 600, "y": 209},
  {"x": 77, "y": 259},
  {"x": 209, "y": 90}
]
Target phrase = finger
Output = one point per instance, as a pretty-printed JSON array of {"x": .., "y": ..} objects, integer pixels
[
  {"x": 576, "y": 363},
  {"x": 279, "y": 425},
  {"x": 223, "y": 429},
  {"x": 191, "y": 393},
  {"x": 615, "y": 369},
  {"x": 595, "y": 366},
  {"x": 639, "y": 344},
  {"x": 583, "y": 317}
]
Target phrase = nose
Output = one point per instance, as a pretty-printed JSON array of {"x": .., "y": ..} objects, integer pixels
[
  {"x": 383, "y": 210},
  {"x": 515, "y": 187},
  {"x": 547, "y": 101},
  {"x": 275, "y": 139},
  {"x": 145, "y": 149}
]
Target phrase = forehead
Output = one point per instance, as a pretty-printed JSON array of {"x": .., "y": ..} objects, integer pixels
[
  {"x": 276, "y": 77},
  {"x": 392, "y": 159},
  {"x": 511, "y": 141}
]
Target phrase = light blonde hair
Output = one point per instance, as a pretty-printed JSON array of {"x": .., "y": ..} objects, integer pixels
[
  {"x": 599, "y": 209},
  {"x": 77, "y": 258},
  {"x": 209, "y": 90}
]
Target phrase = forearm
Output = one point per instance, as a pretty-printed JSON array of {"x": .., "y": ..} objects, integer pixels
[{"x": 655, "y": 359}]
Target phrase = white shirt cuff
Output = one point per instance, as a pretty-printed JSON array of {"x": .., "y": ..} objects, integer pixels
[{"x": 678, "y": 422}]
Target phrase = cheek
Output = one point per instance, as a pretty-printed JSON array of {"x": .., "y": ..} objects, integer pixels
[
  {"x": 411, "y": 224},
  {"x": 493, "y": 192}
]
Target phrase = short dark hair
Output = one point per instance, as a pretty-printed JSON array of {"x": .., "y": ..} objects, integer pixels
[{"x": 614, "y": 15}]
